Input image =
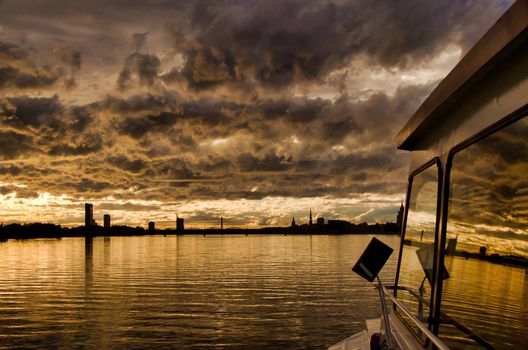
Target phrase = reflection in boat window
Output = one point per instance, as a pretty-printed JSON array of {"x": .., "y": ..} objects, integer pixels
[
  {"x": 417, "y": 253},
  {"x": 487, "y": 241}
]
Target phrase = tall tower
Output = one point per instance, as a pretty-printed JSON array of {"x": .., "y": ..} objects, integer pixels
[
  {"x": 293, "y": 222},
  {"x": 310, "y": 222},
  {"x": 399, "y": 217},
  {"x": 106, "y": 219},
  {"x": 88, "y": 215},
  {"x": 179, "y": 224},
  {"x": 221, "y": 223}
]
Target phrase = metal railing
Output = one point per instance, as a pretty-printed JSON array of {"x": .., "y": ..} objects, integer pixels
[
  {"x": 433, "y": 338},
  {"x": 450, "y": 319}
]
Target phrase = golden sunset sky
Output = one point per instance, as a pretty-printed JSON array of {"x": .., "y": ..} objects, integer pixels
[{"x": 256, "y": 111}]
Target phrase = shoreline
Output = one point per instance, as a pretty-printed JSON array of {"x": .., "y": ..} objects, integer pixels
[{"x": 33, "y": 231}]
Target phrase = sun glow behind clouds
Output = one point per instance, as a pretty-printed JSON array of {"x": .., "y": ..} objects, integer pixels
[
  {"x": 69, "y": 211},
  {"x": 217, "y": 142},
  {"x": 361, "y": 79},
  {"x": 362, "y": 83}
]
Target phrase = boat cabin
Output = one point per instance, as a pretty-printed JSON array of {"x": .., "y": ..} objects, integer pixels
[{"x": 463, "y": 259}]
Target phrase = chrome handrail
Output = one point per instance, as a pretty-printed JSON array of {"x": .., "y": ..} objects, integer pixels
[
  {"x": 385, "y": 315},
  {"x": 433, "y": 338},
  {"x": 469, "y": 332}
]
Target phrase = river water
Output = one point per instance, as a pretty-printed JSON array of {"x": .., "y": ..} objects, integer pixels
[{"x": 182, "y": 292}]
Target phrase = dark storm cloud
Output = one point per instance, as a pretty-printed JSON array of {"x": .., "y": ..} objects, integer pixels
[
  {"x": 267, "y": 124},
  {"x": 19, "y": 192},
  {"x": 124, "y": 163},
  {"x": 378, "y": 115},
  {"x": 12, "y": 51},
  {"x": 5, "y": 190},
  {"x": 45, "y": 126},
  {"x": 207, "y": 66},
  {"x": 140, "y": 68},
  {"x": 70, "y": 60},
  {"x": 293, "y": 109},
  {"x": 209, "y": 111},
  {"x": 140, "y": 40},
  {"x": 14, "y": 145},
  {"x": 33, "y": 111},
  {"x": 278, "y": 41},
  {"x": 174, "y": 169},
  {"x": 306, "y": 173},
  {"x": 10, "y": 170},
  {"x": 22, "y": 171},
  {"x": 139, "y": 103},
  {"x": 82, "y": 117},
  {"x": 214, "y": 165},
  {"x": 174, "y": 77},
  {"x": 390, "y": 32},
  {"x": 139, "y": 126},
  {"x": 326, "y": 124},
  {"x": 15, "y": 78},
  {"x": 88, "y": 143},
  {"x": 19, "y": 70},
  {"x": 285, "y": 41},
  {"x": 69, "y": 57},
  {"x": 351, "y": 173},
  {"x": 383, "y": 159},
  {"x": 270, "y": 162},
  {"x": 89, "y": 185},
  {"x": 337, "y": 130},
  {"x": 205, "y": 111}
]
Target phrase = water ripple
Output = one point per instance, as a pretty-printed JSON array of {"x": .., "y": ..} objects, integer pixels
[{"x": 184, "y": 292}]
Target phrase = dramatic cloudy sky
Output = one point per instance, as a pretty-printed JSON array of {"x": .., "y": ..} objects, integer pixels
[{"x": 252, "y": 110}]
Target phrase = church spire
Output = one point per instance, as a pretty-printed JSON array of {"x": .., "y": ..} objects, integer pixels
[{"x": 310, "y": 218}]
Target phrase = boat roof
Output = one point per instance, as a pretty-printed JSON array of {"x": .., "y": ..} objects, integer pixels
[{"x": 502, "y": 38}]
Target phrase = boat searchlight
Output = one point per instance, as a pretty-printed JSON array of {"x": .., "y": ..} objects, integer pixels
[{"x": 372, "y": 260}]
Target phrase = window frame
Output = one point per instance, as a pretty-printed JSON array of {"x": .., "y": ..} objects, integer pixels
[
  {"x": 425, "y": 166},
  {"x": 436, "y": 297}
]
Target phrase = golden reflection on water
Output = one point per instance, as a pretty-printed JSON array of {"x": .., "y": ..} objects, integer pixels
[
  {"x": 184, "y": 292},
  {"x": 490, "y": 299}
]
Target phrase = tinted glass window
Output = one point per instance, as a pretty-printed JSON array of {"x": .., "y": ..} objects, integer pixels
[
  {"x": 487, "y": 241},
  {"x": 417, "y": 254}
]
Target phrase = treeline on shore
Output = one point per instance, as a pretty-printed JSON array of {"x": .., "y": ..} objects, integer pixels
[{"x": 44, "y": 230}]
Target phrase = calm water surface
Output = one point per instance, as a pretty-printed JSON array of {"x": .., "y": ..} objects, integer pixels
[{"x": 177, "y": 292}]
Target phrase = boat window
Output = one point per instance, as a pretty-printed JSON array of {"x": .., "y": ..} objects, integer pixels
[
  {"x": 487, "y": 243},
  {"x": 414, "y": 284}
]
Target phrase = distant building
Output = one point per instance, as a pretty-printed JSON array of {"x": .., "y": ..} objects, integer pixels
[
  {"x": 293, "y": 224},
  {"x": 339, "y": 224},
  {"x": 88, "y": 215},
  {"x": 399, "y": 217},
  {"x": 310, "y": 222},
  {"x": 106, "y": 219},
  {"x": 179, "y": 224},
  {"x": 151, "y": 226},
  {"x": 320, "y": 221},
  {"x": 221, "y": 223},
  {"x": 482, "y": 251},
  {"x": 451, "y": 246}
]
